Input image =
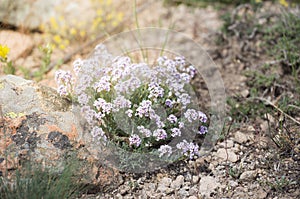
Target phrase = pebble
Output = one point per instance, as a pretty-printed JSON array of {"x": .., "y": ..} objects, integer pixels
[
  {"x": 165, "y": 181},
  {"x": 193, "y": 191},
  {"x": 208, "y": 184},
  {"x": 233, "y": 183},
  {"x": 183, "y": 193},
  {"x": 195, "y": 179},
  {"x": 242, "y": 138},
  {"x": 248, "y": 175},
  {"x": 227, "y": 154},
  {"x": 163, "y": 186},
  {"x": 178, "y": 182},
  {"x": 261, "y": 194},
  {"x": 124, "y": 189},
  {"x": 227, "y": 144}
]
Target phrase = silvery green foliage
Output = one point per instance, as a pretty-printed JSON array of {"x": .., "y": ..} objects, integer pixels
[{"x": 152, "y": 101}]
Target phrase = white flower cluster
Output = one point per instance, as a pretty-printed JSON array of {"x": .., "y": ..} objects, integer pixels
[{"x": 106, "y": 86}]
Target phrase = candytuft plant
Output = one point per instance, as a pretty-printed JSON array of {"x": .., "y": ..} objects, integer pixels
[{"x": 138, "y": 107}]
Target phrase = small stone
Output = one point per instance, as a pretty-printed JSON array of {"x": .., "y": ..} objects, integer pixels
[
  {"x": 233, "y": 183},
  {"x": 226, "y": 144},
  {"x": 167, "y": 197},
  {"x": 251, "y": 128},
  {"x": 186, "y": 187},
  {"x": 193, "y": 191},
  {"x": 245, "y": 93},
  {"x": 192, "y": 197},
  {"x": 178, "y": 182},
  {"x": 264, "y": 126},
  {"x": 248, "y": 175},
  {"x": 227, "y": 154},
  {"x": 261, "y": 194},
  {"x": 195, "y": 179},
  {"x": 124, "y": 189},
  {"x": 241, "y": 138},
  {"x": 164, "y": 185},
  {"x": 165, "y": 181},
  {"x": 183, "y": 193},
  {"x": 150, "y": 187},
  {"x": 263, "y": 142},
  {"x": 208, "y": 184}
]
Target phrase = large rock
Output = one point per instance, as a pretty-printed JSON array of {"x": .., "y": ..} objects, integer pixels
[
  {"x": 26, "y": 13},
  {"x": 39, "y": 126},
  {"x": 33, "y": 13}
]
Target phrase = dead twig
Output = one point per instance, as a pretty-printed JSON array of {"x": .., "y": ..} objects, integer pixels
[
  {"x": 293, "y": 106},
  {"x": 277, "y": 108},
  {"x": 237, "y": 9}
]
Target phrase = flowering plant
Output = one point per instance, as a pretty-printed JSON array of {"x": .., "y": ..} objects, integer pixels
[
  {"x": 139, "y": 107},
  {"x": 8, "y": 67}
]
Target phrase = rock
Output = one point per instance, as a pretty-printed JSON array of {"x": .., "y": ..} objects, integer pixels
[
  {"x": 193, "y": 191},
  {"x": 241, "y": 138},
  {"x": 208, "y": 184},
  {"x": 124, "y": 189},
  {"x": 182, "y": 193},
  {"x": 150, "y": 187},
  {"x": 44, "y": 129},
  {"x": 248, "y": 175},
  {"x": 32, "y": 14},
  {"x": 164, "y": 185},
  {"x": 261, "y": 193},
  {"x": 251, "y": 128},
  {"x": 192, "y": 197},
  {"x": 26, "y": 13},
  {"x": 165, "y": 181},
  {"x": 240, "y": 192},
  {"x": 12, "y": 40},
  {"x": 233, "y": 183},
  {"x": 178, "y": 182},
  {"x": 227, "y": 154},
  {"x": 227, "y": 144},
  {"x": 264, "y": 142},
  {"x": 195, "y": 179},
  {"x": 168, "y": 197},
  {"x": 245, "y": 93},
  {"x": 188, "y": 176}
]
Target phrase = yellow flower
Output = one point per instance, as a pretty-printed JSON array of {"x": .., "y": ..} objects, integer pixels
[
  {"x": 114, "y": 23},
  {"x": 120, "y": 16},
  {"x": 284, "y": 3},
  {"x": 62, "y": 46},
  {"x": 57, "y": 39},
  {"x": 82, "y": 33},
  {"x": 257, "y": 1},
  {"x": 53, "y": 23},
  {"x": 4, "y": 50},
  {"x": 108, "y": 2},
  {"x": 109, "y": 17},
  {"x": 73, "y": 31},
  {"x": 99, "y": 12}
]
